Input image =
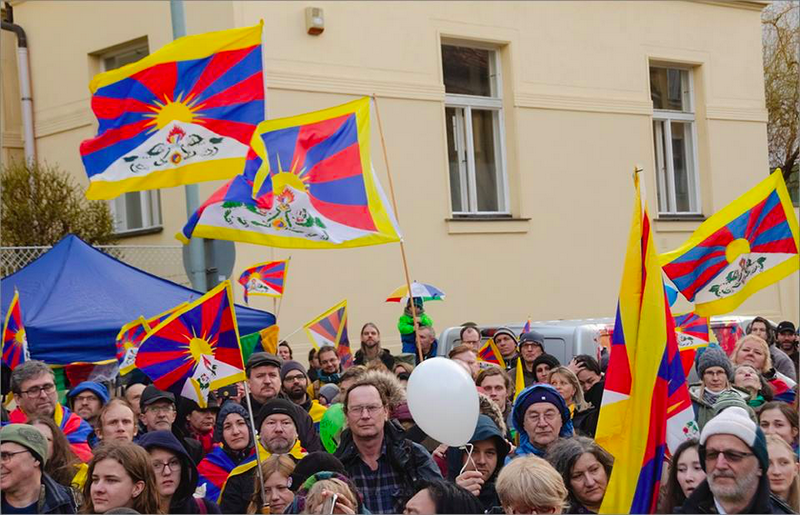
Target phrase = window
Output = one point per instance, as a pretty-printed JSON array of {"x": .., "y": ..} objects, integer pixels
[
  {"x": 139, "y": 209},
  {"x": 675, "y": 136},
  {"x": 474, "y": 113}
]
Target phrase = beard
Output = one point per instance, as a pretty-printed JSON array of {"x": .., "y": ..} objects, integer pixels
[
  {"x": 296, "y": 393},
  {"x": 732, "y": 492},
  {"x": 279, "y": 445}
]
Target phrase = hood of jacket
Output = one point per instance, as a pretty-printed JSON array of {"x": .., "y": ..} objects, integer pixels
[
  {"x": 90, "y": 386},
  {"x": 167, "y": 441},
  {"x": 226, "y": 409},
  {"x": 484, "y": 430}
]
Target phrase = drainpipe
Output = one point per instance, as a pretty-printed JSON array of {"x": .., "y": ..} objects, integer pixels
[{"x": 24, "y": 89}]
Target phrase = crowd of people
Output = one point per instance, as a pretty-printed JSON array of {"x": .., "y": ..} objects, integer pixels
[{"x": 330, "y": 440}]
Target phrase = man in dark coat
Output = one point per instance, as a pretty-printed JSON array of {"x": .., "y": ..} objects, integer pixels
[
  {"x": 383, "y": 465},
  {"x": 482, "y": 466},
  {"x": 733, "y": 452}
]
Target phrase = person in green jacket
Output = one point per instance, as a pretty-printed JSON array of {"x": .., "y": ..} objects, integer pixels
[{"x": 405, "y": 324}]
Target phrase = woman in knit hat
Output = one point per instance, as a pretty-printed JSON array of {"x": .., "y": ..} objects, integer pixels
[
  {"x": 540, "y": 417},
  {"x": 234, "y": 431},
  {"x": 715, "y": 373}
]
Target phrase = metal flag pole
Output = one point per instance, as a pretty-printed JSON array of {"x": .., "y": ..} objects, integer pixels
[
  {"x": 197, "y": 256},
  {"x": 397, "y": 217},
  {"x": 264, "y": 503}
]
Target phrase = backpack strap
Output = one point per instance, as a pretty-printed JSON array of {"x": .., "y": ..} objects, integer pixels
[{"x": 201, "y": 505}]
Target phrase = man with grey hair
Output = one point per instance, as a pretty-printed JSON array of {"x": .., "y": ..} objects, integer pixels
[
  {"x": 34, "y": 387},
  {"x": 426, "y": 339},
  {"x": 733, "y": 452}
]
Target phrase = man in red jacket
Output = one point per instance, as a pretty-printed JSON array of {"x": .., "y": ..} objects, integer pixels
[{"x": 34, "y": 388}]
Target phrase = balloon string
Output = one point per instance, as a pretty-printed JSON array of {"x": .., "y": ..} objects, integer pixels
[{"x": 469, "y": 447}]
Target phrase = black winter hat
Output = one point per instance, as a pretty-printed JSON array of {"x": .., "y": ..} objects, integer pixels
[
  {"x": 314, "y": 462},
  {"x": 279, "y": 406}
]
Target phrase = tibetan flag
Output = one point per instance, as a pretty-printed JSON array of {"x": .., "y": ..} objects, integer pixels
[
  {"x": 196, "y": 349},
  {"x": 15, "y": 341},
  {"x": 183, "y": 114},
  {"x": 489, "y": 353},
  {"x": 265, "y": 340},
  {"x": 128, "y": 340},
  {"x": 748, "y": 245},
  {"x": 519, "y": 380},
  {"x": 308, "y": 183},
  {"x": 330, "y": 328},
  {"x": 646, "y": 406},
  {"x": 692, "y": 332},
  {"x": 527, "y": 327},
  {"x": 265, "y": 279}
]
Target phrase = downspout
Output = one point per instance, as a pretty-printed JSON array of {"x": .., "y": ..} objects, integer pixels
[{"x": 24, "y": 89}]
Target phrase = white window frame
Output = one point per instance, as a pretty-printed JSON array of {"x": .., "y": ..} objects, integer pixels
[
  {"x": 464, "y": 145},
  {"x": 150, "y": 200},
  {"x": 665, "y": 172}
]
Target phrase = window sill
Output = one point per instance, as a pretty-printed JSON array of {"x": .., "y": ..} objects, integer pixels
[
  {"x": 487, "y": 225},
  {"x": 140, "y": 232},
  {"x": 678, "y": 223}
]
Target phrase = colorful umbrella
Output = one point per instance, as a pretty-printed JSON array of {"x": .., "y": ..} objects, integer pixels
[{"x": 423, "y": 291}]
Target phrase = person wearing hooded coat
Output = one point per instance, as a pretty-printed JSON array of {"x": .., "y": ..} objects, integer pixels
[
  {"x": 539, "y": 393},
  {"x": 486, "y": 429},
  {"x": 183, "y": 500},
  {"x": 218, "y": 464}
]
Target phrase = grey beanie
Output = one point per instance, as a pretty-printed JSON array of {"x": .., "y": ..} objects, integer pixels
[
  {"x": 329, "y": 391},
  {"x": 714, "y": 357}
]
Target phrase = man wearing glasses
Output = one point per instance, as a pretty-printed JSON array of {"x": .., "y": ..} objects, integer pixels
[
  {"x": 733, "y": 452},
  {"x": 24, "y": 486},
  {"x": 383, "y": 465},
  {"x": 158, "y": 413},
  {"x": 34, "y": 388},
  {"x": 294, "y": 383}
]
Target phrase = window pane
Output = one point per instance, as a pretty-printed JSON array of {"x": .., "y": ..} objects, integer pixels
[
  {"x": 666, "y": 88},
  {"x": 133, "y": 210},
  {"x": 466, "y": 71},
  {"x": 681, "y": 164},
  {"x": 454, "y": 156},
  {"x": 661, "y": 166},
  {"x": 483, "y": 139}
]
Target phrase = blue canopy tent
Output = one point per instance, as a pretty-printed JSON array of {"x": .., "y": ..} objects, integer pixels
[{"x": 74, "y": 300}]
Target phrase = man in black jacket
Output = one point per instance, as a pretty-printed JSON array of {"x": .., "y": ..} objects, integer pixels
[
  {"x": 481, "y": 467},
  {"x": 264, "y": 378},
  {"x": 733, "y": 452},
  {"x": 383, "y": 465},
  {"x": 371, "y": 350}
]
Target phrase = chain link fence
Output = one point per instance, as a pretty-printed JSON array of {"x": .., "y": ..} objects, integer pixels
[{"x": 162, "y": 260}]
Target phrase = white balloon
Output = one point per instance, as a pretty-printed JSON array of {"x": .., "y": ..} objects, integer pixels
[{"x": 443, "y": 401}]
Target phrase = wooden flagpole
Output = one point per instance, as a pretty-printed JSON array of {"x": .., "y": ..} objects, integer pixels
[
  {"x": 264, "y": 503},
  {"x": 397, "y": 217}
]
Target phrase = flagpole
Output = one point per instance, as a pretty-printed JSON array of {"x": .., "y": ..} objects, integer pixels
[
  {"x": 264, "y": 503},
  {"x": 397, "y": 217}
]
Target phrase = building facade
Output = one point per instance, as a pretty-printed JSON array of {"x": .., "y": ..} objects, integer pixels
[{"x": 512, "y": 130}]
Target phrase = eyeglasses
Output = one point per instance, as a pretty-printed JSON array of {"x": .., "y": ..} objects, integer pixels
[
  {"x": 548, "y": 416},
  {"x": 292, "y": 379},
  {"x": 372, "y": 409},
  {"x": 35, "y": 391},
  {"x": 715, "y": 373},
  {"x": 5, "y": 457},
  {"x": 85, "y": 398},
  {"x": 731, "y": 456},
  {"x": 158, "y": 410},
  {"x": 173, "y": 464}
]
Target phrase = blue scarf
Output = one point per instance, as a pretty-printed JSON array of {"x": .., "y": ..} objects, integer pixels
[{"x": 325, "y": 378}]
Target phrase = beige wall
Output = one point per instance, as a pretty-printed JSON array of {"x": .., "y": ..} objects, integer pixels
[{"x": 578, "y": 118}]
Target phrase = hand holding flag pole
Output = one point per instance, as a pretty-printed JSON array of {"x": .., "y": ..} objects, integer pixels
[{"x": 397, "y": 216}]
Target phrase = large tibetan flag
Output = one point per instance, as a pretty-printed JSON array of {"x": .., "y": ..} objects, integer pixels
[
  {"x": 748, "y": 245},
  {"x": 196, "y": 349},
  {"x": 489, "y": 353},
  {"x": 181, "y": 115},
  {"x": 646, "y": 406},
  {"x": 15, "y": 341},
  {"x": 265, "y": 279},
  {"x": 128, "y": 340},
  {"x": 330, "y": 328},
  {"x": 308, "y": 183}
]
